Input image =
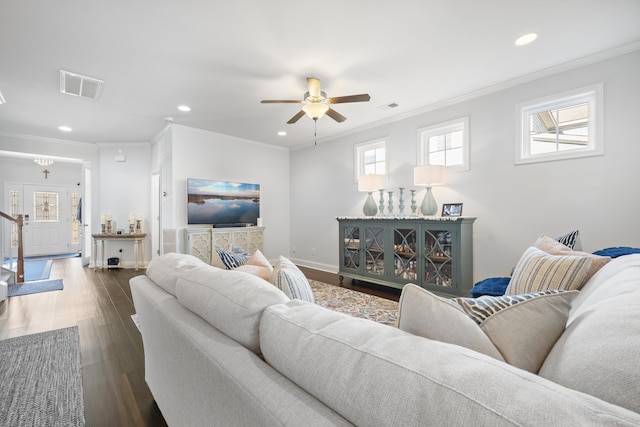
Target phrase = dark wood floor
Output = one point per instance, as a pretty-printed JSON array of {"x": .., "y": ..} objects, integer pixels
[{"x": 100, "y": 304}]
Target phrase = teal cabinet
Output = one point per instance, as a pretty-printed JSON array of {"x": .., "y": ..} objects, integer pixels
[{"x": 434, "y": 253}]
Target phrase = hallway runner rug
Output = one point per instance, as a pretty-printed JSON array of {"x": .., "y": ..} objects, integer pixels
[
  {"x": 41, "y": 380},
  {"x": 26, "y": 288}
]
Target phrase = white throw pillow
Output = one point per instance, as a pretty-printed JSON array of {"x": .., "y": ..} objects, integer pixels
[
  {"x": 258, "y": 265},
  {"x": 519, "y": 329}
]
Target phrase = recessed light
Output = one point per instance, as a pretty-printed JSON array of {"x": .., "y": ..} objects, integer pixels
[
  {"x": 184, "y": 108},
  {"x": 282, "y": 133},
  {"x": 526, "y": 39},
  {"x": 65, "y": 128}
]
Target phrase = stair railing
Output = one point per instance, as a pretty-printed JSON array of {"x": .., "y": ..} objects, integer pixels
[{"x": 19, "y": 222}]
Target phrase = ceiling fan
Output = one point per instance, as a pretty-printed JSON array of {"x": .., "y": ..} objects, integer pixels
[{"x": 316, "y": 104}]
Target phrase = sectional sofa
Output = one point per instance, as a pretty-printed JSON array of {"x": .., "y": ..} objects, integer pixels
[{"x": 228, "y": 348}]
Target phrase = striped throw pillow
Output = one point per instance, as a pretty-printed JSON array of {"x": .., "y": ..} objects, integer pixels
[
  {"x": 232, "y": 260},
  {"x": 538, "y": 271},
  {"x": 289, "y": 279}
]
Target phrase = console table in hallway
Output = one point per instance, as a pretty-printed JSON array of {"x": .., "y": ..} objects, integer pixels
[{"x": 138, "y": 247}]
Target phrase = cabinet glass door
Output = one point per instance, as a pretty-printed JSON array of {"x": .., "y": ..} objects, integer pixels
[
  {"x": 438, "y": 257},
  {"x": 405, "y": 257},
  {"x": 374, "y": 250},
  {"x": 351, "y": 247}
]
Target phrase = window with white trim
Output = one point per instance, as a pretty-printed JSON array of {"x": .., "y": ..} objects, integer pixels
[
  {"x": 445, "y": 144},
  {"x": 563, "y": 126},
  {"x": 370, "y": 158}
]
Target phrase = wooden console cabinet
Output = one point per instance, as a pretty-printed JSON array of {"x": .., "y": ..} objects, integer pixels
[
  {"x": 434, "y": 253},
  {"x": 202, "y": 241}
]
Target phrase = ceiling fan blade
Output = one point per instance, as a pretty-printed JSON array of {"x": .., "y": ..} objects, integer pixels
[
  {"x": 350, "y": 98},
  {"x": 335, "y": 115},
  {"x": 295, "y": 118},
  {"x": 280, "y": 101},
  {"x": 314, "y": 86}
]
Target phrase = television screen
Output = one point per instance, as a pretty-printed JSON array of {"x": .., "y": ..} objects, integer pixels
[{"x": 222, "y": 203}]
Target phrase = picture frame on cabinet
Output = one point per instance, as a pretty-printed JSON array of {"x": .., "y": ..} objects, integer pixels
[{"x": 452, "y": 209}]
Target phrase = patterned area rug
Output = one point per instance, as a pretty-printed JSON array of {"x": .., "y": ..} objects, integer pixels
[
  {"x": 41, "y": 380},
  {"x": 355, "y": 303}
]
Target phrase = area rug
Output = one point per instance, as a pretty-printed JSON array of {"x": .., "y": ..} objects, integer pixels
[
  {"x": 355, "y": 303},
  {"x": 41, "y": 380},
  {"x": 37, "y": 270},
  {"x": 26, "y": 288}
]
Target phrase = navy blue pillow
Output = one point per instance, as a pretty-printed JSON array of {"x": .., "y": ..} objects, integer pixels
[
  {"x": 617, "y": 251},
  {"x": 493, "y": 286}
]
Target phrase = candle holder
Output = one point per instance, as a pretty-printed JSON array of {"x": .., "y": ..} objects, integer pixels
[
  {"x": 109, "y": 229},
  {"x": 381, "y": 207},
  {"x": 390, "y": 202},
  {"x": 103, "y": 228},
  {"x": 414, "y": 206},
  {"x": 138, "y": 226},
  {"x": 401, "y": 202}
]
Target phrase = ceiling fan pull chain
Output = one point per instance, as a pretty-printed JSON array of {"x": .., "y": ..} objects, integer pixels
[{"x": 315, "y": 131}]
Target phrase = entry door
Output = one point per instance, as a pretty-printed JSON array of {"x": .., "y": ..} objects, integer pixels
[{"x": 46, "y": 231}]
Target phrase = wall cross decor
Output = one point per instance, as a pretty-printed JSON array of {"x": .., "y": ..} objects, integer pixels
[{"x": 46, "y": 173}]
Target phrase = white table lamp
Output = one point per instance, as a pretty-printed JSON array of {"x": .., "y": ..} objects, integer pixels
[
  {"x": 428, "y": 176},
  {"x": 370, "y": 183}
]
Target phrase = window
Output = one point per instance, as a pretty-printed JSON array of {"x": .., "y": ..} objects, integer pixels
[
  {"x": 371, "y": 158},
  {"x": 562, "y": 126},
  {"x": 45, "y": 206},
  {"x": 445, "y": 144}
]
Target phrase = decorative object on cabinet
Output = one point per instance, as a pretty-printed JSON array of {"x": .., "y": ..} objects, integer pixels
[
  {"x": 201, "y": 242},
  {"x": 401, "y": 202},
  {"x": 381, "y": 210},
  {"x": 414, "y": 206},
  {"x": 433, "y": 253},
  {"x": 390, "y": 203},
  {"x": 428, "y": 175},
  {"x": 452, "y": 209},
  {"x": 370, "y": 183}
]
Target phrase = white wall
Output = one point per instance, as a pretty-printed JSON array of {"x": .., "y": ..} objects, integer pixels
[
  {"x": 208, "y": 155},
  {"x": 124, "y": 188},
  {"x": 513, "y": 204}
]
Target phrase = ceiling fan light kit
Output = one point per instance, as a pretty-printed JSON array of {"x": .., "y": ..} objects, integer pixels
[{"x": 316, "y": 104}]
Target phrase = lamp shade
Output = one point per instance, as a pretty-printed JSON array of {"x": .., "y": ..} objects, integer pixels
[
  {"x": 428, "y": 175},
  {"x": 315, "y": 110},
  {"x": 370, "y": 182}
]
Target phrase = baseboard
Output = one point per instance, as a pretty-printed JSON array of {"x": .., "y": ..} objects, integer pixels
[{"x": 315, "y": 265}]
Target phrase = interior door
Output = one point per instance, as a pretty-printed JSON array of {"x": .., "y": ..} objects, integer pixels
[{"x": 46, "y": 230}]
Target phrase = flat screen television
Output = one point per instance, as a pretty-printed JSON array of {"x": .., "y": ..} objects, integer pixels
[{"x": 222, "y": 203}]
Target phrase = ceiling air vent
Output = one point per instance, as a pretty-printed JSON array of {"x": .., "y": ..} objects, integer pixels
[
  {"x": 79, "y": 85},
  {"x": 388, "y": 106}
]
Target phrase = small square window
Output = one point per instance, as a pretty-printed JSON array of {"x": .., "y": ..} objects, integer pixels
[
  {"x": 561, "y": 126},
  {"x": 445, "y": 144},
  {"x": 370, "y": 158}
]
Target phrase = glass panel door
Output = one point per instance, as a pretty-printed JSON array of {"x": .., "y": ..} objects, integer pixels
[
  {"x": 351, "y": 247},
  {"x": 405, "y": 257},
  {"x": 374, "y": 250},
  {"x": 438, "y": 257}
]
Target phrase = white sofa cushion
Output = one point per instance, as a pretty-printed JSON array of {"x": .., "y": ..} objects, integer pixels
[
  {"x": 518, "y": 329},
  {"x": 599, "y": 352},
  {"x": 166, "y": 269},
  {"x": 231, "y": 301},
  {"x": 378, "y": 375}
]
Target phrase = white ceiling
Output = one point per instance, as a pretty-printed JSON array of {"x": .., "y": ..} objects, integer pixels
[{"x": 223, "y": 57}]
